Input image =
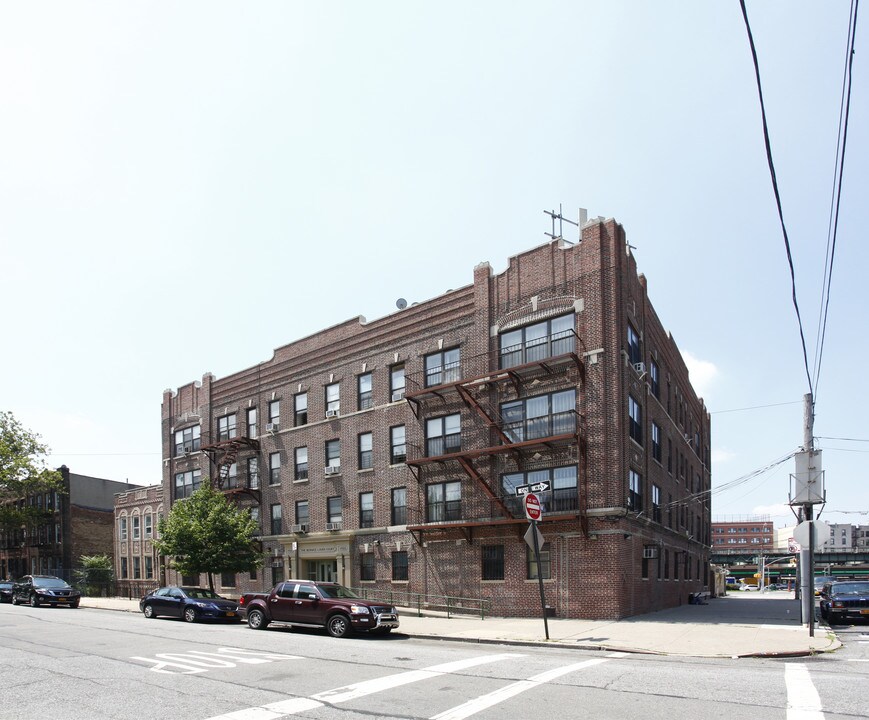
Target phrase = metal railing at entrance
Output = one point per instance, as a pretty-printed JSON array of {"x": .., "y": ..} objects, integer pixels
[{"x": 422, "y": 602}]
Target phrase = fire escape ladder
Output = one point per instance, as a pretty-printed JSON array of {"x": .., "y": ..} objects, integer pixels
[
  {"x": 472, "y": 403},
  {"x": 474, "y": 475}
]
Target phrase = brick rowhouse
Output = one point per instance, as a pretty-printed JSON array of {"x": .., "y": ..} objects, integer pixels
[{"x": 385, "y": 454}]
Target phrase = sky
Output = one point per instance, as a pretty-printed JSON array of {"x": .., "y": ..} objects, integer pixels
[{"x": 185, "y": 187}]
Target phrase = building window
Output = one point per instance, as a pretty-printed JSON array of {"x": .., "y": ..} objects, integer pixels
[
  {"x": 187, "y": 483},
  {"x": 398, "y": 515},
  {"x": 366, "y": 452},
  {"x": 333, "y": 399},
  {"x": 275, "y": 413},
  {"x": 122, "y": 529},
  {"x": 300, "y": 409},
  {"x": 251, "y": 423},
  {"x": 333, "y": 453},
  {"x": 226, "y": 429},
  {"x": 396, "y": 383},
  {"x": 227, "y": 579},
  {"x": 545, "y": 563},
  {"x": 635, "y": 353},
  {"x": 187, "y": 440},
  {"x": 274, "y": 468},
  {"x": 635, "y": 420},
  {"x": 135, "y": 523},
  {"x": 302, "y": 515},
  {"x": 656, "y": 442},
  {"x": 366, "y": 509},
  {"x": 443, "y": 435},
  {"x": 277, "y": 571},
  {"x": 254, "y": 515},
  {"x": 541, "y": 416},
  {"x": 538, "y": 341},
  {"x": 229, "y": 474},
  {"x": 124, "y": 571},
  {"x": 149, "y": 567},
  {"x": 397, "y": 445},
  {"x": 635, "y": 491},
  {"x": 442, "y": 367},
  {"x": 655, "y": 379},
  {"x": 276, "y": 518},
  {"x": 366, "y": 567},
  {"x": 148, "y": 525},
  {"x": 399, "y": 565},
  {"x": 366, "y": 396},
  {"x": 493, "y": 562},
  {"x": 253, "y": 473},
  {"x": 137, "y": 568},
  {"x": 334, "y": 509},
  {"x": 670, "y": 455},
  {"x": 301, "y": 471},
  {"x": 563, "y": 497},
  {"x": 656, "y": 503},
  {"x": 444, "y": 502}
]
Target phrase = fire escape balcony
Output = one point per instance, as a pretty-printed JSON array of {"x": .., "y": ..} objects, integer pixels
[{"x": 223, "y": 454}]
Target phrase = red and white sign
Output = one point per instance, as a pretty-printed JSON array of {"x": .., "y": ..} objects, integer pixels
[{"x": 532, "y": 507}]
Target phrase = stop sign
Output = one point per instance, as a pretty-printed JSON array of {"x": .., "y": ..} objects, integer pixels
[{"x": 532, "y": 507}]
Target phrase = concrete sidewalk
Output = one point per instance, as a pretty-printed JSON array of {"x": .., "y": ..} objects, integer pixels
[{"x": 738, "y": 625}]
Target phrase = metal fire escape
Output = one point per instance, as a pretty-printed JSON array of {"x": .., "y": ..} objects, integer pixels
[{"x": 223, "y": 454}]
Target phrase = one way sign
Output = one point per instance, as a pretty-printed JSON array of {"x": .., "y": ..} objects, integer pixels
[{"x": 537, "y": 487}]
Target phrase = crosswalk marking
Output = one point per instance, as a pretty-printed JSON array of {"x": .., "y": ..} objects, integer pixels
[
  {"x": 804, "y": 703},
  {"x": 493, "y": 698}
]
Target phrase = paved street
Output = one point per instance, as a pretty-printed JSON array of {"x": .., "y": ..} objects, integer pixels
[{"x": 94, "y": 663}]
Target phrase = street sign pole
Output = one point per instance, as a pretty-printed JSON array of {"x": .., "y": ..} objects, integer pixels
[{"x": 540, "y": 576}]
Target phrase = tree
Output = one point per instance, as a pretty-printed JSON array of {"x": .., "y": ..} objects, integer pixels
[
  {"x": 205, "y": 533},
  {"x": 95, "y": 573},
  {"x": 23, "y": 472}
]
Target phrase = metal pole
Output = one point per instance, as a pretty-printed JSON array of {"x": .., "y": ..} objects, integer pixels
[
  {"x": 539, "y": 575},
  {"x": 809, "y": 444}
]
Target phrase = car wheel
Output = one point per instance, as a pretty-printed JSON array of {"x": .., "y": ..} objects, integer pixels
[
  {"x": 189, "y": 614},
  {"x": 148, "y": 612},
  {"x": 257, "y": 620},
  {"x": 34, "y": 601},
  {"x": 74, "y": 604},
  {"x": 338, "y": 626},
  {"x": 14, "y": 600}
]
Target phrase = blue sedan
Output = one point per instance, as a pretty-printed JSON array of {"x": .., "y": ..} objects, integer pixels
[{"x": 190, "y": 603}]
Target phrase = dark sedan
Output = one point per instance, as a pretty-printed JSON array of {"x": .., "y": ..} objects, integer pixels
[
  {"x": 845, "y": 600},
  {"x": 5, "y": 591},
  {"x": 44, "y": 590},
  {"x": 190, "y": 603}
]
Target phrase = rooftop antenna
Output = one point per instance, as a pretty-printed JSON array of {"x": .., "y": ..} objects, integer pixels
[{"x": 583, "y": 214}]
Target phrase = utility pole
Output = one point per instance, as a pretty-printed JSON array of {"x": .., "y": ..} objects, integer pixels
[{"x": 806, "y": 495}]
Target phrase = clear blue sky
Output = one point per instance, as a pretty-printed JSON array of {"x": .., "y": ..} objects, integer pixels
[{"x": 186, "y": 186}]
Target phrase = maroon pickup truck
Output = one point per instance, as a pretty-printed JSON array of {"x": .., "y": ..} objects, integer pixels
[{"x": 318, "y": 604}]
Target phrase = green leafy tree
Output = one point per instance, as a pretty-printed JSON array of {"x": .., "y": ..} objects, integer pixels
[
  {"x": 95, "y": 573},
  {"x": 206, "y": 533},
  {"x": 23, "y": 471}
]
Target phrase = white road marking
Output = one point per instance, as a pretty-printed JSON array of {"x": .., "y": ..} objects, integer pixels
[
  {"x": 804, "y": 703},
  {"x": 472, "y": 707},
  {"x": 197, "y": 661},
  {"x": 292, "y": 706}
]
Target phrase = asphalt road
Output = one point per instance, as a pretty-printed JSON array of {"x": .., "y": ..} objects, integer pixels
[{"x": 95, "y": 664}]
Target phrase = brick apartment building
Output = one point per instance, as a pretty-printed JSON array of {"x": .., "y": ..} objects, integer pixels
[
  {"x": 744, "y": 534},
  {"x": 138, "y": 567},
  {"x": 386, "y": 454},
  {"x": 78, "y": 521}
]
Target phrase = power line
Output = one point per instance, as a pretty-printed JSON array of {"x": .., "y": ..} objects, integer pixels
[
  {"x": 776, "y": 193},
  {"x": 756, "y": 407},
  {"x": 842, "y": 439}
]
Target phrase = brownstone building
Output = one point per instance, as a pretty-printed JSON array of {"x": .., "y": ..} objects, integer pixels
[
  {"x": 387, "y": 454},
  {"x": 78, "y": 521},
  {"x": 740, "y": 535},
  {"x": 138, "y": 567}
]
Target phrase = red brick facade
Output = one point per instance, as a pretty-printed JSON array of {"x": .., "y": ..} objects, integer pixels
[{"x": 518, "y": 377}]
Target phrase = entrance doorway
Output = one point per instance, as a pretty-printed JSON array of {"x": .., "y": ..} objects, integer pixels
[{"x": 323, "y": 570}]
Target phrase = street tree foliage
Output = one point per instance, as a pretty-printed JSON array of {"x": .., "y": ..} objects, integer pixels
[
  {"x": 23, "y": 472},
  {"x": 206, "y": 533},
  {"x": 94, "y": 573}
]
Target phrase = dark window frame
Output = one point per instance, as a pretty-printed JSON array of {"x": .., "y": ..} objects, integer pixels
[{"x": 492, "y": 562}]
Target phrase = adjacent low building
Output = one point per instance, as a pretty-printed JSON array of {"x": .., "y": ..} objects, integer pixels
[
  {"x": 391, "y": 455},
  {"x": 137, "y": 565}
]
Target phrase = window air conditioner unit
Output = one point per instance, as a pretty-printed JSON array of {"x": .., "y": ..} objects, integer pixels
[
  {"x": 332, "y": 413},
  {"x": 640, "y": 367},
  {"x": 650, "y": 551},
  {"x": 303, "y": 528},
  {"x": 333, "y": 469},
  {"x": 187, "y": 449},
  {"x": 272, "y": 427},
  {"x": 398, "y": 395},
  {"x": 333, "y": 526}
]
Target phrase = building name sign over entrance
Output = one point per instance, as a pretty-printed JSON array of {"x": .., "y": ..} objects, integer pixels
[{"x": 323, "y": 549}]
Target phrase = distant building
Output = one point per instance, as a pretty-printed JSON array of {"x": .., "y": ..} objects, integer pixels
[
  {"x": 861, "y": 537},
  {"x": 138, "y": 567},
  {"x": 78, "y": 521},
  {"x": 739, "y": 535},
  {"x": 841, "y": 537},
  {"x": 391, "y": 455}
]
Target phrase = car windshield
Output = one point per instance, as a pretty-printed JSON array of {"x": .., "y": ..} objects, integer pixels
[
  {"x": 49, "y": 582},
  {"x": 336, "y": 591},
  {"x": 854, "y": 588},
  {"x": 201, "y": 594},
  {"x": 5, "y": 584}
]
